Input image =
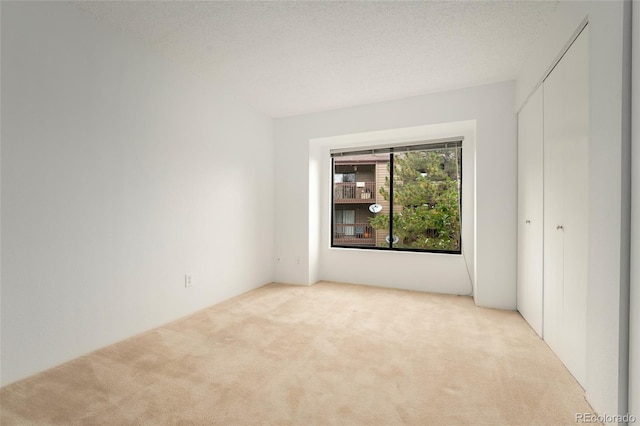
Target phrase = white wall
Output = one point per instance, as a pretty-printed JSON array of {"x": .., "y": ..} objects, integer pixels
[
  {"x": 634, "y": 321},
  {"x": 609, "y": 176},
  {"x": 299, "y": 204},
  {"x": 120, "y": 174}
]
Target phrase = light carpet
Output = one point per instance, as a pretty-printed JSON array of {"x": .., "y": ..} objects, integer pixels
[{"x": 329, "y": 354}]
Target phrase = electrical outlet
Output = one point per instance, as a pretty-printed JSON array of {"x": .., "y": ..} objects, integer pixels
[{"x": 187, "y": 281}]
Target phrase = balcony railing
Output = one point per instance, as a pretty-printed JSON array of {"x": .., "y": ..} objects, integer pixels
[
  {"x": 353, "y": 234},
  {"x": 354, "y": 192}
]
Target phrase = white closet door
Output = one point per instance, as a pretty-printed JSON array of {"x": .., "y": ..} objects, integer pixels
[
  {"x": 576, "y": 205},
  {"x": 566, "y": 133},
  {"x": 554, "y": 105},
  {"x": 530, "y": 210}
]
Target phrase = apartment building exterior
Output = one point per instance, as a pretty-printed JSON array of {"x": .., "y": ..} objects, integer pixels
[{"x": 357, "y": 199}]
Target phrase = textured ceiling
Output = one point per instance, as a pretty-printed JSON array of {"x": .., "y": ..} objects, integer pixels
[{"x": 288, "y": 58}]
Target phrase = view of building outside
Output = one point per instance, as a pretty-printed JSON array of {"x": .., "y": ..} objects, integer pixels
[
  {"x": 426, "y": 200},
  {"x": 356, "y": 180}
]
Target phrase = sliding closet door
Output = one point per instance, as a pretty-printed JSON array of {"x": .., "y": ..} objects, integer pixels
[
  {"x": 566, "y": 132},
  {"x": 554, "y": 105},
  {"x": 576, "y": 205},
  {"x": 530, "y": 211}
]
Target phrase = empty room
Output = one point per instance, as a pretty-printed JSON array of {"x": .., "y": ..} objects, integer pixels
[{"x": 319, "y": 212}]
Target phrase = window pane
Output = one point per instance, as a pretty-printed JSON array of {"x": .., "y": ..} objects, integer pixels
[
  {"x": 359, "y": 207},
  {"x": 426, "y": 199},
  {"x": 423, "y": 190}
]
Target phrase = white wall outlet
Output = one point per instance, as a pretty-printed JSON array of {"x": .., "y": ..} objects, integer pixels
[{"x": 187, "y": 281}]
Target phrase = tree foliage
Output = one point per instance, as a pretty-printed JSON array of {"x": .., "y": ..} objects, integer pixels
[{"x": 427, "y": 186}]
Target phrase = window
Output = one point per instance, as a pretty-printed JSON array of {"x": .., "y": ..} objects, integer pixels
[
  {"x": 345, "y": 221},
  {"x": 344, "y": 177},
  {"x": 399, "y": 198}
]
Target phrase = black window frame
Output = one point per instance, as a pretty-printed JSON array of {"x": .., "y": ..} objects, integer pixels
[{"x": 420, "y": 146}]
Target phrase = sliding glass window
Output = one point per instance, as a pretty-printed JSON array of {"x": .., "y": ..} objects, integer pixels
[{"x": 401, "y": 198}]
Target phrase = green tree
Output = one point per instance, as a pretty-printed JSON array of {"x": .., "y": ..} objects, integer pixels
[{"x": 427, "y": 186}]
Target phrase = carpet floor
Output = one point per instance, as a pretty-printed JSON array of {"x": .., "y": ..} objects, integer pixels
[{"x": 329, "y": 354}]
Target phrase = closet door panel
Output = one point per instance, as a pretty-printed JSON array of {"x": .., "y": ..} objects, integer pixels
[
  {"x": 566, "y": 103},
  {"x": 530, "y": 214},
  {"x": 576, "y": 203},
  {"x": 554, "y": 106}
]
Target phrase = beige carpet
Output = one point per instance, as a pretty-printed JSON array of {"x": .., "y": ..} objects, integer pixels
[{"x": 321, "y": 355}]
